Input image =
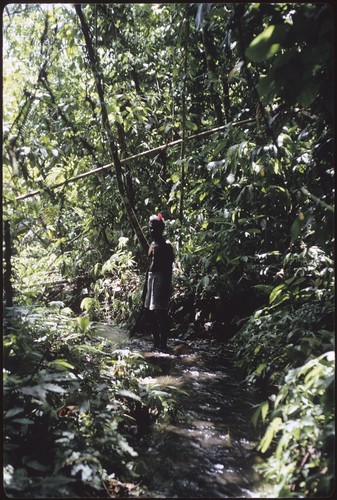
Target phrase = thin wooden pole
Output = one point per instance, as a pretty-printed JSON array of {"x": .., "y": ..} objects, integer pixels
[
  {"x": 183, "y": 139},
  {"x": 148, "y": 152},
  {"x": 8, "y": 262}
]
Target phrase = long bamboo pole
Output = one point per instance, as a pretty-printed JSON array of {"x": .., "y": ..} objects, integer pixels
[{"x": 148, "y": 152}]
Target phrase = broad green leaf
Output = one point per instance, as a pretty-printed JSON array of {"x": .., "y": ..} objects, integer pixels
[
  {"x": 220, "y": 146},
  {"x": 96, "y": 269},
  {"x": 25, "y": 150},
  {"x": 308, "y": 93},
  {"x": 284, "y": 140},
  {"x": 267, "y": 43},
  {"x": 55, "y": 175},
  {"x": 260, "y": 368},
  {"x": 204, "y": 282},
  {"x": 276, "y": 292},
  {"x": 61, "y": 364},
  {"x": 253, "y": 231},
  {"x": 34, "y": 464},
  {"x": 83, "y": 323},
  {"x": 191, "y": 125},
  {"x": 175, "y": 177},
  {"x": 295, "y": 229},
  {"x": 54, "y": 388},
  {"x": 264, "y": 409},
  {"x": 316, "y": 371},
  {"x": 12, "y": 412},
  {"x": 269, "y": 434},
  {"x": 256, "y": 415},
  {"x": 160, "y": 393},
  {"x": 278, "y": 399},
  {"x": 128, "y": 394},
  {"x": 282, "y": 445},
  {"x": 266, "y": 86},
  {"x": 89, "y": 303},
  {"x": 23, "y": 421}
]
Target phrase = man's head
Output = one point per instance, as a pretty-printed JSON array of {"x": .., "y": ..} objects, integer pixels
[{"x": 156, "y": 225}]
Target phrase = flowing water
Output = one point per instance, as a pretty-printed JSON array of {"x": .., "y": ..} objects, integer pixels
[{"x": 208, "y": 451}]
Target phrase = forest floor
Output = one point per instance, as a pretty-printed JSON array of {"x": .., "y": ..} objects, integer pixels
[{"x": 208, "y": 450}]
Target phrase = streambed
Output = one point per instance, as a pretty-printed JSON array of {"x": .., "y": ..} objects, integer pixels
[{"x": 208, "y": 451}]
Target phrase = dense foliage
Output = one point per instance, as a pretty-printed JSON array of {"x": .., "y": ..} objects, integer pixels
[
  {"x": 250, "y": 206},
  {"x": 74, "y": 406}
]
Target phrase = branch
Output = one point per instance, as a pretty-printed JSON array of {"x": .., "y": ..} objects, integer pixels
[
  {"x": 148, "y": 152},
  {"x": 317, "y": 200}
]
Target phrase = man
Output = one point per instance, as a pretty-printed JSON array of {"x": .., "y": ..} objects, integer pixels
[{"x": 159, "y": 282}]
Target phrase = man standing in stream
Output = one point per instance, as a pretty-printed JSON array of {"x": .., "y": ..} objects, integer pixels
[{"x": 159, "y": 282}]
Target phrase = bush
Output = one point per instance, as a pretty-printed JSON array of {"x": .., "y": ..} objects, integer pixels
[
  {"x": 74, "y": 406},
  {"x": 287, "y": 349},
  {"x": 296, "y": 326},
  {"x": 301, "y": 432}
]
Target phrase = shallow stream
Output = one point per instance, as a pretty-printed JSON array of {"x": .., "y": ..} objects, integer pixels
[{"x": 209, "y": 449}]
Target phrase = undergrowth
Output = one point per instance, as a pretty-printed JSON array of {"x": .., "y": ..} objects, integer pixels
[
  {"x": 74, "y": 408},
  {"x": 287, "y": 349}
]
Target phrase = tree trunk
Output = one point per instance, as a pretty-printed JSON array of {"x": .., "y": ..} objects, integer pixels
[
  {"x": 184, "y": 111},
  {"x": 8, "y": 269},
  {"x": 94, "y": 63},
  {"x": 211, "y": 70}
]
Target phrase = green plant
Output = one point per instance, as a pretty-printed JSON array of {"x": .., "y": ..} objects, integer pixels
[
  {"x": 73, "y": 407},
  {"x": 91, "y": 305},
  {"x": 117, "y": 283},
  {"x": 95, "y": 141},
  {"x": 297, "y": 323},
  {"x": 300, "y": 434}
]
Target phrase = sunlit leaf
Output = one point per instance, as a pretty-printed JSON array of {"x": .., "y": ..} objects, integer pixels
[
  {"x": 23, "y": 421},
  {"x": 267, "y": 43},
  {"x": 256, "y": 415},
  {"x": 270, "y": 434},
  {"x": 264, "y": 410},
  {"x": 83, "y": 323},
  {"x": 276, "y": 292},
  {"x": 128, "y": 394},
  {"x": 12, "y": 412},
  {"x": 124, "y": 445},
  {"x": 61, "y": 364},
  {"x": 260, "y": 368}
]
